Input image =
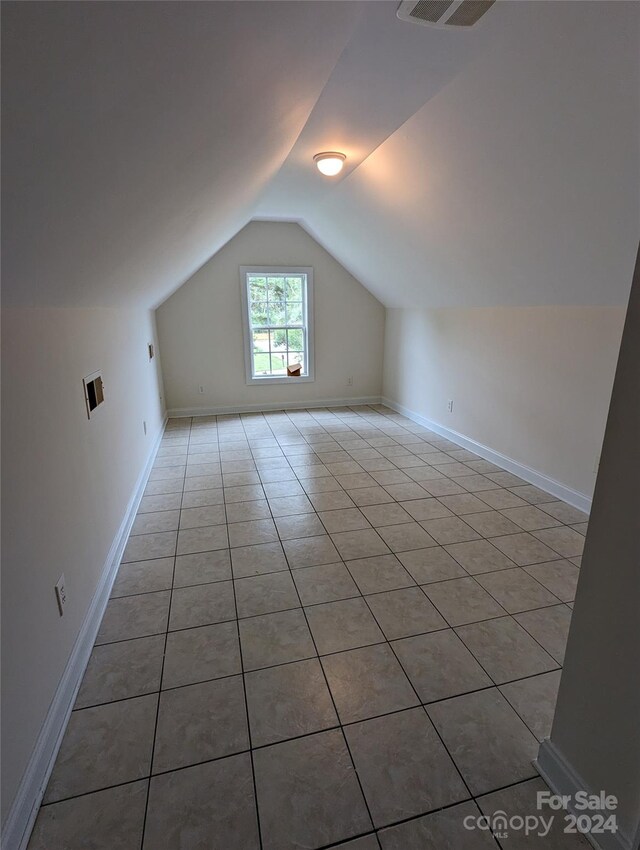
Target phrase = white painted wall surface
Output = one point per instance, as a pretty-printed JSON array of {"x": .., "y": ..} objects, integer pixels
[
  {"x": 66, "y": 483},
  {"x": 532, "y": 383},
  {"x": 596, "y": 728},
  {"x": 200, "y": 327}
]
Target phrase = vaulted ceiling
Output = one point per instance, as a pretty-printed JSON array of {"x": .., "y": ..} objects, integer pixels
[{"x": 495, "y": 165}]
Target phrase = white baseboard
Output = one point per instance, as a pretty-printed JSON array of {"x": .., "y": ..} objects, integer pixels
[
  {"x": 563, "y": 779},
  {"x": 532, "y": 476},
  {"x": 178, "y": 412},
  {"x": 24, "y": 810}
]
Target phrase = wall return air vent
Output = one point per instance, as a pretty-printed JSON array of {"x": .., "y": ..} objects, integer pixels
[{"x": 443, "y": 13}]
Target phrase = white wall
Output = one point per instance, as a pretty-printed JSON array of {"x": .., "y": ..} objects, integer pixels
[
  {"x": 532, "y": 383},
  {"x": 66, "y": 483},
  {"x": 596, "y": 726},
  {"x": 200, "y": 327}
]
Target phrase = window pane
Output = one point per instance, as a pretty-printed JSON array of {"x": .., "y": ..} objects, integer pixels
[
  {"x": 276, "y": 313},
  {"x": 296, "y": 357},
  {"x": 294, "y": 288},
  {"x": 257, "y": 287},
  {"x": 261, "y": 364},
  {"x": 279, "y": 363},
  {"x": 294, "y": 313},
  {"x": 260, "y": 351},
  {"x": 278, "y": 340},
  {"x": 259, "y": 315},
  {"x": 295, "y": 340},
  {"x": 276, "y": 288}
]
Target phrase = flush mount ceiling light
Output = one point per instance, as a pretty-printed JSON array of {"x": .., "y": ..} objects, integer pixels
[{"x": 329, "y": 162}]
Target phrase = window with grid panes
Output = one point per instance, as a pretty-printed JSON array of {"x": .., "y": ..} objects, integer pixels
[{"x": 277, "y": 306}]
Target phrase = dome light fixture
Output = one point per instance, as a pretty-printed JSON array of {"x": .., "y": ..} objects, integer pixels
[{"x": 329, "y": 162}]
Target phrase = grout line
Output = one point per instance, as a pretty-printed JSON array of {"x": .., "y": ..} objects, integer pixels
[
  {"x": 164, "y": 655},
  {"x": 330, "y": 692}
]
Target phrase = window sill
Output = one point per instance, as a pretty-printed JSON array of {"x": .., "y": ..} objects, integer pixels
[{"x": 280, "y": 380}]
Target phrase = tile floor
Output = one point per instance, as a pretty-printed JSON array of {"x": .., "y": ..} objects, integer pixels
[{"x": 330, "y": 628}]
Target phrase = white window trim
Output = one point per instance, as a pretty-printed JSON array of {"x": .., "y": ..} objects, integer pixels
[{"x": 250, "y": 378}]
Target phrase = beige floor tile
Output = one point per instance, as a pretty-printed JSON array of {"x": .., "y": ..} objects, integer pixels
[
  {"x": 490, "y": 744},
  {"x": 341, "y": 625},
  {"x": 116, "y": 816},
  {"x": 215, "y": 798},
  {"x": 252, "y": 532},
  {"x": 200, "y": 722},
  {"x": 134, "y": 616},
  {"x": 311, "y": 551},
  {"x": 516, "y": 590},
  {"x": 565, "y": 541},
  {"x": 449, "y": 530},
  {"x": 429, "y": 565},
  {"x": 505, "y": 650},
  {"x": 550, "y": 627},
  {"x": 104, "y": 746},
  {"x": 359, "y": 544},
  {"x": 198, "y": 517},
  {"x": 560, "y": 577},
  {"x": 348, "y": 519},
  {"x": 530, "y": 518},
  {"x": 143, "y": 577},
  {"x": 265, "y": 594},
  {"x": 462, "y": 600},
  {"x": 202, "y": 568},
  {"x": 148, "y": 523},
  {"x": 324, "y": 583},
  {"x": 524, "y": 549},
  {"x": 201, "y": 605},
  {"x": 404, "y": 537},
  {"x": 259, "y": 559},
  {"x": 379, "y": 573},
  {"x": 535, "y": 701},
  {"x": 208, "y": 538}
]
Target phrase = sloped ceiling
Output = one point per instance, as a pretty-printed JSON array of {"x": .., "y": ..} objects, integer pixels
[
  {"x": 138, "y": 135},
  {"x": 497, "y": 165}
]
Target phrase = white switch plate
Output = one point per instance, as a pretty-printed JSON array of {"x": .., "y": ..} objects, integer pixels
[
  {"x": 450, "y": 405},
  {"x": 61, "y": 594}
]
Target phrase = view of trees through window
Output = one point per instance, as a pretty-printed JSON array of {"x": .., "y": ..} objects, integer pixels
[{"x": 277, "y": 317}]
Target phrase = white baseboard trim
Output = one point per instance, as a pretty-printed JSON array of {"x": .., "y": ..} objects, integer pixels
[
  {"x": 179, "y": 412},
  {"x": 532, "y": 476},
  {"x": 21, "y": 818},
  {"x": 563, "y": 779}
]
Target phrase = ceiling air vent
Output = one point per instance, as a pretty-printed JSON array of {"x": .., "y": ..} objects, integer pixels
[{"x": 441, "y": 13}]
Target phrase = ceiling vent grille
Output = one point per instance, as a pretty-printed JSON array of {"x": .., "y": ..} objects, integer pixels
[
  {"x": 430, "y": 11},
  {"x": 444, "y": 13}
]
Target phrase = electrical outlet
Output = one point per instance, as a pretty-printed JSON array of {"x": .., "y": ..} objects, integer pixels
[
  {"x": 201, "y": 389},
  {"x": 350, "y": 381},
  {"x": 144, "y": 426},
  {"x": 450, "y": 405},
  {"x": 61, "y": 594}
]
